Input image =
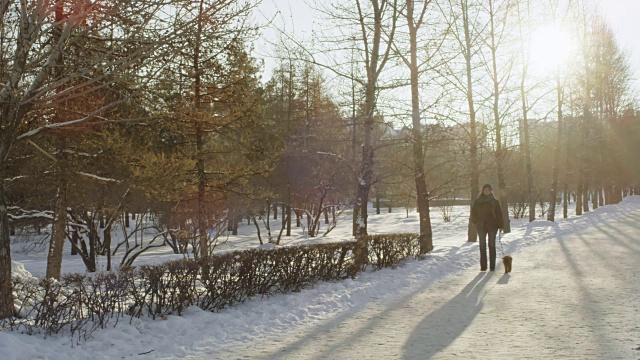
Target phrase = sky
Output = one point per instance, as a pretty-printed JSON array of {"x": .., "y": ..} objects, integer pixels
[
  {"x": 624, "y": 18},
  {"x": 298, "y": 18}
]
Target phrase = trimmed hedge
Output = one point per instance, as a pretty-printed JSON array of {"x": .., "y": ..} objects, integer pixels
[
  {"x": 81, "y": 303},
  {"x": 390, "y": 250}
]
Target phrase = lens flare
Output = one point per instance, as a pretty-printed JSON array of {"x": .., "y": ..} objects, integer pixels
[{"x": 551, "y": 47}]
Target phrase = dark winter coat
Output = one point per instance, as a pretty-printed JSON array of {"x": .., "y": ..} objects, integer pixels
[{"x": 486, "y": 211}]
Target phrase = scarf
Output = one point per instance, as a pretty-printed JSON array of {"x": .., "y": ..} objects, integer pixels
[{"x": 482, "y": 199}]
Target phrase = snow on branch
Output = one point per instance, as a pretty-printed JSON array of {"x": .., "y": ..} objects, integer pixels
[
  {"x": 18, "y": 213},
  {"x": 98, "y": 177},
  {"x": 85, "y": 119},
  {"x": 330, "y": 154},
  {"x": 15, "y": 178}
]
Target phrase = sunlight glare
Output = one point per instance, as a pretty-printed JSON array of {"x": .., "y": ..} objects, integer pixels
[{"x": 550, "y": 47}]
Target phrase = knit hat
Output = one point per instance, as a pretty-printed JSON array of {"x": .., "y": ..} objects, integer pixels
[{"x": 487, "y": 186}]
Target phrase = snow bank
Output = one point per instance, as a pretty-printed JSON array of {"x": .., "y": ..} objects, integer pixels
[{"x": 17, "y": 269}]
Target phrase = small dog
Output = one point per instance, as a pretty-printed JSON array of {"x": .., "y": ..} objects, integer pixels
[{"x": 507, "y": 260}]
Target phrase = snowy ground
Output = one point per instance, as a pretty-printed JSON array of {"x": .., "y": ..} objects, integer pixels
[{"x": 280, "y": 320}]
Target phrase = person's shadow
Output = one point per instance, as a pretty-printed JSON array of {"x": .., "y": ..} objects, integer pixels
[{"x": 440, "y": 328}]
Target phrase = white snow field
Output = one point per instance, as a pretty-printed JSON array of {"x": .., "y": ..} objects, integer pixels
[{"x": 574, "y": 294}]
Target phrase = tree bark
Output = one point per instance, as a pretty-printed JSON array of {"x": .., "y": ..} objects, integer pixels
[
  {"x": 583, "y": 190},
  {"x": 200, "y": 165},
  {"x": 556, "y": 157},
  {"x": 579, "y": 198},
  {"x": 106, "y": 235},
  {"x": 502, "y": 184},
  {"x": 472, "y": 234},
  {"x": 527, "y": 156},
  {"x": 288, "y": 220},
  {"x": 74, "y": 241},
  {"x": 585, "y": 198},
  {"x": 565, "y": 197},
  {"x": 58, "y": 235},
  {"x": 422, "y": 195},
  {"x": 6, "y": 285},
  {"x": 58, "y": 231},
  {"x": 374, "y": 65}
]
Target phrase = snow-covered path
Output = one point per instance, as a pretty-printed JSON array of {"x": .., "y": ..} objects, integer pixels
[{"x": 577, "y": 297}]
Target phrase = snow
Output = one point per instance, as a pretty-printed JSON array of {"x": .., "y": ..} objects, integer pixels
[
  {"x": 268, "y": 246},
  {"x": 17, "y": 269},
  {"x": 97, "y": 177},
  {"x": 201, "y": 332}
]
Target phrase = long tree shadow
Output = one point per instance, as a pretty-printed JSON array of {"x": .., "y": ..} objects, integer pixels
[
  {"x": 585, "y": 297},
  {"x": 331, "y": 325},
  {"x": 444, "y": 325}
]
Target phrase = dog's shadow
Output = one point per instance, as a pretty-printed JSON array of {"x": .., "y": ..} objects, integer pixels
[{"x": 504, "y": 279}]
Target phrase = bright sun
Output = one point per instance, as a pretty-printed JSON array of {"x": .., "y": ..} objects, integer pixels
[{"x": 550, "y": 47}]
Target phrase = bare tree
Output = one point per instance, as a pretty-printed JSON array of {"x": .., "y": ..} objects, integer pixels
[
  {"x": 498, "y": 30},
  {"x": 458, "y": 15},
  {"x": 32, "y": 53},
  {"x": 525, "y": 32},
  {"x": 583, "y": 15},
  {"x": 415, "y": 20},
  {"x": 553, "y": 7},
  {"x": 375, "y": 27},
  {"x": 146, "y": 35}
]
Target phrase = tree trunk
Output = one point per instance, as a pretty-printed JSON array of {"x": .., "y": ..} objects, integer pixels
[
  {"x": 234, "y": 228},
  {"x": 527, "y": 156},
  {"x": 58, "y": 235},
  {"x": 585, "y": 198},
  {"x": 58, "y": 231},
  {"x": 288, "y": 220},
  {"x": 422, "y": 195},
  {"x": 499, "y": 157},
  {"x": 376, "y": 61},
  {"x": 565, "y": 205},
  {"x": 586, "y": 121},
  {"x": 601, "y": 196},
  {"x": 579, "y": 198},
  {"x": 472, "y": 234},
  {"x": 6, "y": 285},
  {"x": 74, "y": 241},
  {"x": 203, "y": 242},
  {"x": 106, "y": 235},
  {"x": 556, "y": 157},
  {"x": 200, "y": 164},
  {"x": 230, "y": 218}
]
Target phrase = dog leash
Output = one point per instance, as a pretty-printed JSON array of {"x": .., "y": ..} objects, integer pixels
[{"x": 500, "y": 241}]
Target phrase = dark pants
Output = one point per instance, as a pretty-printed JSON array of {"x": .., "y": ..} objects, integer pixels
[{"x": 483, "y": 231}]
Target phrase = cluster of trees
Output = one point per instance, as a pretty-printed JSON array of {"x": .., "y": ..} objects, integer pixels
[
  {"x": 157, "y": 107},
  {"x": 108, "y": 108}
]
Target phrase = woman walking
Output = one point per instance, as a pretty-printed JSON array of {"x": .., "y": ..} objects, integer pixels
[{"x": 487, "y": 216}]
